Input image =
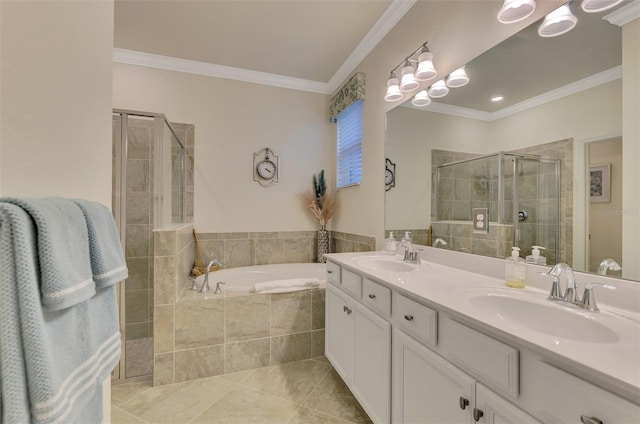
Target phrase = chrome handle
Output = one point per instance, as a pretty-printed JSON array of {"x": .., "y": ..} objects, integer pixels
[
  {"x": 408, "y": 317},
  {"x": 463, "y": 403},
  {"x": 372, "y": 296},
  {"x": 329, "y": 271},
  {"x": 590, "y": 420},
  {"x": 194, "y": 285},
  {"x": 477, "y": 414},
  {"x": 588, "y": 300}
]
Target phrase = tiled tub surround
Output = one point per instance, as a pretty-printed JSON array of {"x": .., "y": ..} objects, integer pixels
[
  {"x": 202, "y": 337},
  {"x": 265, "y": 248}
]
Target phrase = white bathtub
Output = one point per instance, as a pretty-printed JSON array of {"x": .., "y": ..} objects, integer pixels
[{"x": 243, "y": 279}]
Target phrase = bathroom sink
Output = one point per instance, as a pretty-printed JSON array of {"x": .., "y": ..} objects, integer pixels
[
  {"x": 389, "y": 264},
  {"x": 534, "y": 312}
]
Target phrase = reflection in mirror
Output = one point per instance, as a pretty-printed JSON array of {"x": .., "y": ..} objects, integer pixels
[{"x": 556, "y": 99}]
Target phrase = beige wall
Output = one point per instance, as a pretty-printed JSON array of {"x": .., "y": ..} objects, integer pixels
[
  {"x": 232, "y": 121},
  {"x": 452, "y": 31},
  {"x": 631, "y": 148},
  {"x": 605, "y": 219},
  {"x": 55, "y": 135}
]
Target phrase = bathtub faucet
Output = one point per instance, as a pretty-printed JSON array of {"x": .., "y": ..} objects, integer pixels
[{"x": 205, "y": 285}]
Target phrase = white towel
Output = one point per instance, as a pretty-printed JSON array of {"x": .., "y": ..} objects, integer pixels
[{"x": 284, "y": 286}]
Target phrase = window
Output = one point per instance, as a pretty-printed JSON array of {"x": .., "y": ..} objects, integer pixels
[{"x": 350, "y": 145}]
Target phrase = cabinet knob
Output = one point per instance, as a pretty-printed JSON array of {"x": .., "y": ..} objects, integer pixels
[
  {"x": 477, "y": 414},
  {"x": 347, "y": 310},
  {"x": 329, "y": 271},
  {"x": 372, "y": 296},
  {"x": 463, "y": 403},
  {"x": 408, "y": 317},
  {"x": 590, "y": 420}
]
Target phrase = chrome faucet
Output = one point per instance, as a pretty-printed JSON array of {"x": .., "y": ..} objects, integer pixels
[
  {"x": 205, "y": 285},
  {"x": 411, "y": 254},
  {"x": 608, "y": 264},
  {"x": 439, "y": 241},
  {"x": 556, "y": 293}
]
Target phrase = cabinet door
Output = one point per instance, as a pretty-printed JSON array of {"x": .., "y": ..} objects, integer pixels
[
  {"x": 339, "y": 330},
  {"x": 427, "y": 388},
  {"x": 372, "y": 369},
  {"x": 492, "y": 409}
]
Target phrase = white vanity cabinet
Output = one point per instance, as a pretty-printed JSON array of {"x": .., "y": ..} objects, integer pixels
[
  {"x": 358, "y": 344},
  {"x": 429, "y": 389}
]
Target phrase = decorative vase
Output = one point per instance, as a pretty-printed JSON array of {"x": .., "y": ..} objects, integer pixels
[{"x": 323, "y": 244}]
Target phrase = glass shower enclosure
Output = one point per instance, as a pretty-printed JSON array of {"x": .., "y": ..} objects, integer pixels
[
  {"x": 148, "y": 193},
  {"x": 522, "y": 194}
]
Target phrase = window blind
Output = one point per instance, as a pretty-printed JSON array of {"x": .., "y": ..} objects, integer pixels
[{"x": 349, "y": 123}]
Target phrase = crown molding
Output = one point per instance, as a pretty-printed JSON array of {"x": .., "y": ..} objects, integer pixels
[
  {"x": 567, "y": 90},
  {"x": 625, "y": 14},
  {"x": 396, "y": 10},
  {"x": 149, "y": 60}
]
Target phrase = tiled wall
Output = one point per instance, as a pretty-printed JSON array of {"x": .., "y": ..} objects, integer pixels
[
  {"x": 460, "y": 237},
  {"x": 222, "y": 334},
  {"x": 461, "y": 190},
  {"x": 263, "y": 248}
]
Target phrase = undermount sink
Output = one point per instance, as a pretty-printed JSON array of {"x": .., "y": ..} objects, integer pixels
[
  {"x": 389, "y": 264},
  {"x": 534, "y": 312}
]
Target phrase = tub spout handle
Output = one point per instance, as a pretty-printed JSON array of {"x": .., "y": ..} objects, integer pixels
[{"x": 218, "y": 289}]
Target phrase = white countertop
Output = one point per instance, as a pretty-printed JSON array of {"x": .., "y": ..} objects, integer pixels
[{"x": 614, "y": 364}]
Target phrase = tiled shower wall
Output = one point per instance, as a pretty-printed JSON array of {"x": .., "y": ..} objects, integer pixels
[
  {"x": 499, "y": 240},
  {"x": 139, "y": 248}
]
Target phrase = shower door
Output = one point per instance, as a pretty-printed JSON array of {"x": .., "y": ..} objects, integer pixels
[
  {"x": 148, "y": 193},
  {"x": 535, "y": 203}
]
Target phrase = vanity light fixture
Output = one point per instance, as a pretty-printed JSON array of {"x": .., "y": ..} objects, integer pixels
[
  {"x": 516, "y": 10},
  {"x": 421, "y": 99},
  {"x": 457, "y": 78},
  {"x": 558, "y": 22},
  {"x": 393, "y": 89},
  {"x": 408, "y": 80},
  {"x": 410, "y": 77},
  {"x": 595, "y": 6},
  {"x": 438, "y": 89}
]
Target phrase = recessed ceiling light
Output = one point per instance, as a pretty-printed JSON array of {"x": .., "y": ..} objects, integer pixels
[{"x": 497, "y": 98}]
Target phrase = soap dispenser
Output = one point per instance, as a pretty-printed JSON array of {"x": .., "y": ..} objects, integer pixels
[
  {"x": 515, "y": 270},
  {"x": 390, "y": 244},
  {"x": 535, "y": 257}
]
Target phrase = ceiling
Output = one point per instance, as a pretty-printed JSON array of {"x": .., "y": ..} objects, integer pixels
[
  {"x": 322, "y": 41},
  {"x": 527, "y": 65},
  {"x": 305, "y": 39}
]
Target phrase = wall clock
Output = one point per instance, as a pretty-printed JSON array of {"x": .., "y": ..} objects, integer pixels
[
  {"x": 389, "y": 175},
  {"x": 266, "y": 167}
]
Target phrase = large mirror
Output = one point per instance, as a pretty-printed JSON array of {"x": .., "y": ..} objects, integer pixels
[{"x": 545, "y": 161}]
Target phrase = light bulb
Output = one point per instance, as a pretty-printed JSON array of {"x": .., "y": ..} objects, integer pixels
[
  {"x": 457, "y": 78},
  {"x": 393, "y": 89},
  {"x": 408, "y": 80},
  {"x": 438, "y": 89},
  {"x": 426, "y": 70},
  {"x": 516, "y": 10},
  {"x": 421, "y": 99},
  {"x": 558, "y": 22}
]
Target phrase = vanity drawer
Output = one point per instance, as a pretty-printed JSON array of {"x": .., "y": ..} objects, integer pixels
[
  {"x": 417, "y": 319},
  {"x": 489, "y": 360},
  {"x": 376, "y": 296},
  {"x": 352, "y": 283},
  {"x": 333, "y": 273}
]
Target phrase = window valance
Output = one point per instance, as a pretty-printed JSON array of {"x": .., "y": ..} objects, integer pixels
[{"x": 350, "y": 92}]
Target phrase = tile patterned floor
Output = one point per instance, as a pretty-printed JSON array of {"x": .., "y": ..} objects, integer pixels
[{"x": 304, "y": 392}]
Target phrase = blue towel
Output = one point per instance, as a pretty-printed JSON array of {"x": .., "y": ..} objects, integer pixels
[
  {"x": 52, "y": 362},
  {"x": 107, "y": 260},
  {"x": 63, "y": 253}
]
